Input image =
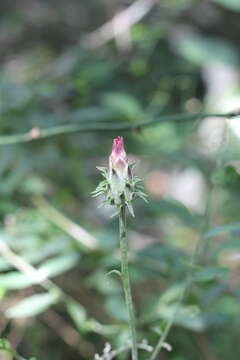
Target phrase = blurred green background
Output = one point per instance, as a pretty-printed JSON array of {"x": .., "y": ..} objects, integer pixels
[{"x": 72, "y": 73}]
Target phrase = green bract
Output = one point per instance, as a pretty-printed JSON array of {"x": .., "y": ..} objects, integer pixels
[{"x": 118, "y": 191}]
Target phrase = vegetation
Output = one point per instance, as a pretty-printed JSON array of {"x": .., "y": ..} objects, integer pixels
[{"x": 74, "y": 75}]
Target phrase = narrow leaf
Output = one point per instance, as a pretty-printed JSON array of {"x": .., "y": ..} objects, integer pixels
[{"x": 32, "y": 305}]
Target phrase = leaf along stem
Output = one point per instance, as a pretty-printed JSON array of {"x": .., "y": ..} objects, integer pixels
[{"x": 126, "y": 280}]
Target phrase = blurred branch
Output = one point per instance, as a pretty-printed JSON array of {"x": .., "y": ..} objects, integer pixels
[
  {"x": 69, "y": 335},
  {"x": 36, "y": 276},
  {"x": 37, "y": 133},
  {"x": 82, "y": 236},
  {"x": 120, "y": 24}
]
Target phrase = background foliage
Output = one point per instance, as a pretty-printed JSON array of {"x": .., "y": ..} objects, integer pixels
[{"x": 60, "y": 79}]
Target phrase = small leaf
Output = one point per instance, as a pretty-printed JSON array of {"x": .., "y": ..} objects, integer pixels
[
  {"x": 218, "y": 230},
  {"x": 201, "y": 49},
  {"x": 186, "y": 316},
  {"x": 15, "y": 280},
  {"x": 78, "y": 314},
  {"x": 173, "y": 206},
  {"x": 50, "y": 268},
  {"x": 114, "y": 272},
  {"x": 116, "y": 307},
  {"x": 6, "y": 353},
  {"x": 210, "y": 273},
  {"x": 157, "y": 330},
  {"x": 32, "y": 305},
  {"x": 233, "y": 5},
  {"x": 173, "y": 293},
  {"x": 59, "y": 265},
  {"x": 103, "y": 169},
  {"x": 130, "y": 208},
  {"x": 116, "y": 213},
  {"x": 124, "y": 105}
]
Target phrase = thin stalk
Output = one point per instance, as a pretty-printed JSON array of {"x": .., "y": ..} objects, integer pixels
[
  {"x": 200, "y": 245},
  {"x": 181, "y": 297},
  {"x": 126, "y": 280}
]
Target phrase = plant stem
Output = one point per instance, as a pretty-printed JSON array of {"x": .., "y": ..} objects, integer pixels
[{"x": 126, "y": 280}]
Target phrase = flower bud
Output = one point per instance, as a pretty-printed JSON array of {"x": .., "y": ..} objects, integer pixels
[
  {"x": 120, "y": 186},
  {"x": 118, "y": 162},
  {"x": 119, "y": 170}
]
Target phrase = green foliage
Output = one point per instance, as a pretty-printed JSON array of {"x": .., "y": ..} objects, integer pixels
[
  {"x": 210, "y": 273},
  {"x": 202, "y": 50},
  {"x": 78, "y": 315},
  {"x": 229, "y": 4},
  {"x": 32, "y": 305},
  {"x": 61, "y": 103},
  {"x": 7, "y": 353}
]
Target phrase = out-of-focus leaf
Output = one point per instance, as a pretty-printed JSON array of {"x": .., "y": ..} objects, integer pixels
[
  {"x": 106, "y": 285},
  {"x": 32, "y": 305},
  {"x": 2, "y": 291},
  {"x": 124, "y": 104},
  {"x": 229, "y": 175},
  {"x": 169, "y": 205},
  {"x": 59, "y": 265},
  {"x": 228, "y": 305},
  {"x": 210, "y": 273},
  {"x": 34, "y": 185},
  {"x": 14, "y": 95},
  {"x": 14, "y": 280},
  {"x": 233, "y": 243},
  {"x": 50, "y": 268},
  {"x": 172, "y": 294},
  {"x": 55, "y": 246},
  {"x": 6, "y": 353},
  {"x": 107, "y": 238},
  {"x": 4, "y": 265},
  {"x": 116, "y": 307},
  {"x": 229, "y": 4},
  {"x": 13, "y": 180},
  {"x": 202, "y": 50},
  {"x": 78, "y": 314},
  {"x": 33, "y": 250},
  {"x": 188, "y": 317},
  {"x": 221, "y": 230},
  {"x": 92, "y": 114},
  {"x": 167, "y": 257}
]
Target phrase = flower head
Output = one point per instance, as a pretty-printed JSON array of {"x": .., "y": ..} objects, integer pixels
[
  {"x": 118, "y": 162},
  {"x": 120, "y": 186},
  {"x": 118, "y": 169},
  {"x": 118, "y": 158}
]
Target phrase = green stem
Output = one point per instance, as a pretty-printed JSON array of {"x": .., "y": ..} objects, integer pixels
[{"x": 126, "y": 280}]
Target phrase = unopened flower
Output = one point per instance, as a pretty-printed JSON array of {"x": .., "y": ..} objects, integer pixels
[
  {"x": 120, "y": 187},
  {"x": 119, "y": 170},
  {"x": 118, "y": 161}
]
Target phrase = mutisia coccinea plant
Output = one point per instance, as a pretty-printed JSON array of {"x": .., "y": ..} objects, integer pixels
[{"x": 120, "y": 187}]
